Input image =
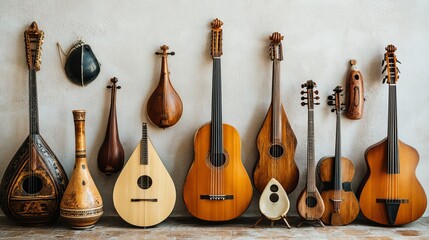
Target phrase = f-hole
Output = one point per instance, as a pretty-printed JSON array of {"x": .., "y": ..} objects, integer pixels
[
  {"x": 276, "y": 150},
  {"x": 217, "y": 159},
  {"x": 311, "y": 201},
  {"x": 32, "y": 185},
  {"x": 144, "y": 182}
]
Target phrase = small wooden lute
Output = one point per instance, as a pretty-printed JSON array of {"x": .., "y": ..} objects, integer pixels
[
  {"x": 310, "y": 204},
  {"x": 144, "y": 193},
  {"x": 217, "y": 187},
  {"x": 336, "y": 174},
  {"x": 276, "y": 140},
  {"x": 390, "y": 193}
]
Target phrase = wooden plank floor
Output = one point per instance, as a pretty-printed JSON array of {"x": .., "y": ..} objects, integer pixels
[{"x": 189, "y": 228}]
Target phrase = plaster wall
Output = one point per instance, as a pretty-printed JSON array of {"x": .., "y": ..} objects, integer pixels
[{"x": 320, "y": 39}]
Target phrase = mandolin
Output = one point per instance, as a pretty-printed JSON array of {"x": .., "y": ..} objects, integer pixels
[
  {"x": 310, "y": 204},
  {"x": 390, "y": 193},
  {"x": 144, "y": 193},
  {"x": 110, "y": 158},
  {"x": 336, "y": 174},
  {"x": 276, "y": 140},
  {"x": 164, "y": 107},
  {"x": 217, "y": 187},
  {"x": 34, "y": 181}
]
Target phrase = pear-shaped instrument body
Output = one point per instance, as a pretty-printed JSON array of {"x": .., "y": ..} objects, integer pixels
[{"x": 274, "y": 202}]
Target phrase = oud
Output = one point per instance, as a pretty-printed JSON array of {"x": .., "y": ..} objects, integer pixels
[
  {"x": 217, "y": 187},
  {"x": 310, "y": 204},
  {"x": 276, "y": 140},
  {"x": 390, "y": 193},
  {"x": 336, "y": 174},
  {"x": 144, "y": 193},
  {"x": 34, "y": 181},
  {"x": 110, "y": 158}
]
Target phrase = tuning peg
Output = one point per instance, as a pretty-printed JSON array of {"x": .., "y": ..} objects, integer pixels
[
  {"x": 384, "y": 79},
  {"x": 303, "y": 98},
  {"x": 343, "y": 104},
  {"x": 332, "y": 110},
  {"x": 302, "y": 92},
  {"x": 303, "y": 85},
  {"x": 382, "y": 62},
  {"x": 399, "y": 71},
  {"x": 384, "y": 69},
  {"x": 331, "y": 103},
  {"x": 303, "y": 103},
  {"x": 331, "y": 97},
  {"x": 317, "y": 97},
  {"x": 316, "y": 92},
  {"x": 398, "y": 61},
  {"x": 118, "y": 87},
  {"x": 109, "y": 87},
  {"x": 317, "y": 103}
]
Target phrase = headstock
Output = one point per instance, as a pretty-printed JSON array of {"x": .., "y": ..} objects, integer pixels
[
  {"x": 164, "y": 52},
  {"x": 216, "y": 43},
  {"x": 276, "y": 50},
  {"x": 310, "y": 94},
  {"x": 335, "y": 100},
  {"x": 113, "y": 80},
  {"x": 33, "y": 38},
  {"x": 390, "y": 64}
]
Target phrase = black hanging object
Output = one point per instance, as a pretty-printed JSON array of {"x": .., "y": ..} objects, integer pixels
[{"x": 81, "y": 65}]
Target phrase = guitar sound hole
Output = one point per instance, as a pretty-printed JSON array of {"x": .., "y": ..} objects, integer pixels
[
  {"x": 217, "y": 159},
  {"x": 274, "y": 188},
  {"x": 311, "y": 202},
  {"x": 276, "y": 150},
  {"x": 274, "y": 197},
  {"x": 32, "y": 185},
  {"x": 144, "y": 182}
]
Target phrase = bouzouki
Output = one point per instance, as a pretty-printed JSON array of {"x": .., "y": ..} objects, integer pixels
[
  {"x": 34, "y": 181},
  {"x": 217, "y": 187},
  {"x": 310, "y": 204},
  {"x": 390, "y": 193},
  {"x": 336, "y": 174},
  {"x": 276, "y": 140},
  {"x": 144, "y": 193}
]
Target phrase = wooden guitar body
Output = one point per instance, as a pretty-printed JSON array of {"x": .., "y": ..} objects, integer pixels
[
  {"x": 231, "y": 179},
  {"x": 377, "y": 186},
  {"x": 283, "y": 168},
  {"x": 349, "y": 205},
  {"x": 144, "y": 195},
  {"x": 310, "y": 205}
]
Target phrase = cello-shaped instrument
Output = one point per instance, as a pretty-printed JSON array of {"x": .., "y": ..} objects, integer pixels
[
  {"x": 144, "y": 194},
  {"x": 390, "y": 193},
  {"x": 336, "y": 174},
  {"x": 217, "y": 187},
  {"x": 164, "y": 107},
  {"x": 310, "y": 204},
  {"x": 276, "y": 140},
  {"x": 34, "y": 181},
  {"x": 354, "y": 93},
  {"x": 111, "y": 154}
]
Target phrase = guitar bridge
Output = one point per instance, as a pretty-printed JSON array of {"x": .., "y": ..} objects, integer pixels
[
  {"x": 217, "y": 197},
  {"x": 144, "y": 200}
]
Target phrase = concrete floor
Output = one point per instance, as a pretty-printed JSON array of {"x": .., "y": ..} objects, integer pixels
[{"x": 188, "y": 228}]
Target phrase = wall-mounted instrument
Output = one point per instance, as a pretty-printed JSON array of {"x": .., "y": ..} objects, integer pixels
[
  {"x": 164, "y": 107},
  {"x": 354, "y": 92},
  {"x": 310, "y": 204},
  {"x": 390, "y": 193},
  {"x": 217, "y": 187},
  {"x": 81, "y": 205},
  {"x": 144, "y": 194},
  {"x": 34, "y": 181},
  {"x": 81, "y": 66},
  {"x": 336, "y": 174},
  {"x": 276, "y": 140},
  {"x": 111, "y": 154}
]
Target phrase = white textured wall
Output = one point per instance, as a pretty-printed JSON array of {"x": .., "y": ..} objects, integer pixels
[{"x": 320, "y": 38}]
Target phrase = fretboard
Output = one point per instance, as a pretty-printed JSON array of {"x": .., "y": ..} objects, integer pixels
[
  {"x": 337, "y": 161},
  {"x": 311, "y": 169},
  {"x": 216, "y": 141},
  {"x": 33, "y": 110},
  {"x": 144, "y": 160},
  {"x": 276, "y": 104},
  {"x": 392, "y": 133}
]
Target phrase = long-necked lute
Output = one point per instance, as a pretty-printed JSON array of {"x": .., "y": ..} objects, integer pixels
[
  {"x": 217, "y": 187},
  {"x": 336, "y": 174},
  {"x": 276, "y": 140},
  {"x": 310, "y": 204},
  {"x": 390, "y": 193},
  {"x": 34, "y": 181}
]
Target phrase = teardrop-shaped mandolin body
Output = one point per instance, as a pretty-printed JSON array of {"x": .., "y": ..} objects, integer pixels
[
  {"x": 81, "y": 65},
  {"x": 274, "y": 202},
  {"x": 111, "y": 154},
  {"x": 164, "y": 107}
]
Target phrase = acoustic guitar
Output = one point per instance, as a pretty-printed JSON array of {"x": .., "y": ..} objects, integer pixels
[
  {"x": 276, "y": 140},
  {"x": 336, "y": 174},
  {"x": 217, "y": 187},
  {"x": 144, "y": 193},
  {"x": 310, "y": 204},
  {"x": 390, "y": 193},
  {"x": 34, "y": 181}
]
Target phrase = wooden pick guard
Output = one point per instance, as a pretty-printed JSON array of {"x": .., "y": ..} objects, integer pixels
[
  {"x": 144, "y": 213},
  {"x": 232, "y": 178},
  {"x": 283, "y": 169}
]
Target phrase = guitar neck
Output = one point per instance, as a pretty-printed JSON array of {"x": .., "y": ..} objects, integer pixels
[
  {"x": 34, "y": 111},
  {"x": 144, "y": 159},
  {"x": 392, "y": 133},
  {"x": 216, "y": 143},
  {"x": 276, "y": 104},
  {"x": 311, "y": 169}
]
